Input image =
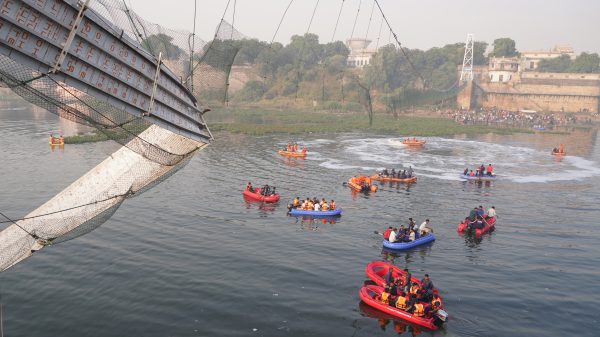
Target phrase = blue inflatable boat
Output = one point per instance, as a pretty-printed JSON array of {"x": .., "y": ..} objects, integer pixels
[
  {"x": 478, "y": 178},
  {"x": 407, "y": 245},
  {"x": 315, "y": 214}
]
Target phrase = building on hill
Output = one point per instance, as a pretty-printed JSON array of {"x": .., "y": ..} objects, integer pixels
[
  {"x": 502, "y": 69},
  {"x": 531, "y": 59},
  {"x": 512, "y": 84},
  {"x": 360, "y": 55}
]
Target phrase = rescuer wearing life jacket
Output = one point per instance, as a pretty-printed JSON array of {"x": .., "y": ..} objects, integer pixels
[
  {"x": 386, "y": 233},
  {"x": 385, "y": 295},
  {"x": 401, "y": 301},
  {"x": 490, "y": 170},
  {"x": 296, "y": 202},
  {"x": 436, "y": 302}
]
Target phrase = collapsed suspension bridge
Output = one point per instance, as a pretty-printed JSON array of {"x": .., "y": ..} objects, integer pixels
[{"x": 98, "y": 63}]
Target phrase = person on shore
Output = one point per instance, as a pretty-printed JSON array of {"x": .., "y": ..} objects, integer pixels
[
  {"x": 392, "y": 238},
  {"x": 424, "y": 229},
  {"x": 491, "y": 213},
  {"x": 386, "y": 233}
]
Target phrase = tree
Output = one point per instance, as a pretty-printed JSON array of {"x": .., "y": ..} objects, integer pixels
[
  {"x": 162, "y": 43},
  {"x": 555, "y": 65},
  {"x": 504, "y": 47},
  {"x": 586, "y": 63}
]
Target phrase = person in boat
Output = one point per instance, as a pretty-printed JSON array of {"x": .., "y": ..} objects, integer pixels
[
  {"x": 561, "y": 148},
  {"x": 386, "y": 172},
  {"x": 412, "y": 236},
  {"x": 411, "y": 224},
  {"x": 427, "y": 287},
  {"x": 249, "y": 187},
  {"x": 401, "y": 301},
  {"x": 490, "y": 170},
  {"x": 555, "y": 150},
  {"x": 325, "y": 206},
  {"x": 407, "y": 278},
  {"x": 266, "y": 190},
  {"x": 332, "y": 205},
  {"x": 466, "y": 172},
  {"x": 61, "y": 139},
  {"x": 436, "y": 302},
  {"x": 51, "y": 140},
  {"x": 386, "y": 233},
  {"x": 491, "y": 213},
  {"x": 393, "y": 235},
  {"x": 401, "y": 236},
  {"x": 317, "y": 206},
  {"x": 304, "y": 149},
  {"x": 473, "y": 214},
  {"x": 289, "y": 147},
  {"x": 296, "y": 202},
  {"x": 402, "y": 175},
  {"x": 273, "y": 191},
  {"x": 423, "y": 229},
  {"x": 385, "y": 295},
  {"x": 389, "y": 276},
  {"x": 471, "y": 174},
  {"x": 409, "y": 173},
  {"x": 480, "y": 211}
]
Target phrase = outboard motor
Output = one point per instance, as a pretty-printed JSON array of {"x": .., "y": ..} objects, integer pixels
[{"x": 440, "y": 317}]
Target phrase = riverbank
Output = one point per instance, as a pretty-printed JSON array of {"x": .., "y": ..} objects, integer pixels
[{"x": 259, "y": 122}]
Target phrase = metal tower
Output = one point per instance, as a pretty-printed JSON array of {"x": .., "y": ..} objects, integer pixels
[{"x": 466, "y": 74}]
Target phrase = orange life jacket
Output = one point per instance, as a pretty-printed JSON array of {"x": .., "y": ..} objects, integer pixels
[
  {"x": 419, "y": 310},
  {"x": 401, "y": 303},
  {"x": 385, "y": 297},
  {"x": 436, "y": 303},
  {"x": 296, "y": 202},
  {"x": 414, "y": 289}
]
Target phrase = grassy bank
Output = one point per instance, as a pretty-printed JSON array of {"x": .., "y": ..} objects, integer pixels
[
  {"x": 257, "y": 122},
  {"x": 260, "y": 122}
]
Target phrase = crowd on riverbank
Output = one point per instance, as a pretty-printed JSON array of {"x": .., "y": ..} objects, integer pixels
[{"x": 498, "y": 117}]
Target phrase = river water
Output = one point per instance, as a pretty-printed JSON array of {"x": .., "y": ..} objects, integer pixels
[{"x": 192, "y": 258}]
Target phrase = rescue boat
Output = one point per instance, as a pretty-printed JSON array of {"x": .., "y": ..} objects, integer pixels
[
  {"x": 315, "y": 214},
  {"x": 361, "y": 184},
  {"x": 294, "y": 154},
  {"x": 384, "y": 179},
  {"x": 413, "y": 142},
  {"x": 370, "y": 295},
  {"x": 559, "y": 154},
  {"x": 259, "y": 197},
  {"x": 412, "y": 244},
  {"x": 489, "y": 224}
]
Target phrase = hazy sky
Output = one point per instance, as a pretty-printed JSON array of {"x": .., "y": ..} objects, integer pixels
[{"x": 534, "y": 24}]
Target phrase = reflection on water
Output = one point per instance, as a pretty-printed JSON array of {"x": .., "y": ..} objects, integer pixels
[{"x": 192, "y": 258}]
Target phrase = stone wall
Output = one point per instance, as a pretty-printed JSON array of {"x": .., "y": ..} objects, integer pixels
[{"x": 543, "y": 92}]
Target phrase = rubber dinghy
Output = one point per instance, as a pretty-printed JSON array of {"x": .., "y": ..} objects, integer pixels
[
  {"x": 478, "y": 178},
  {"x": 296, "y": 154},
  {"x": 489, "y": 224},
  {"x": 412, "y": 244},
  {"x": 384, "y": 179},
  {"x": 370, "y": 295},
  {"x": 376, "y": 270},
  {"x": 259, "y": 197},
  {"x": 315, "y": 214}
]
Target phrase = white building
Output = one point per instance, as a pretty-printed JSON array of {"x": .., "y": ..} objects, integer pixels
[
  {"x": 531, "y": 59},
  {"x": 360, "y": 55},
  {"x": 502, "y": 69}
]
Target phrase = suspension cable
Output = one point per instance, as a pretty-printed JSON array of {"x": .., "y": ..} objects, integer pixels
[
  {"x": 337, "y": 21},
  {"x": 417, "y": 72},
  {"x": 355, "y": 19},
  {"x": 370, "y": 18}
]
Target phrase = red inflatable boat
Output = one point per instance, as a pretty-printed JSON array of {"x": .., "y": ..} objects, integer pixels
[
  {"x": 258, "y": 197},
  {"x": 370, "y": 294},
  {"x": 488, "y": 226},
  {"x": 376, "y": 271}
]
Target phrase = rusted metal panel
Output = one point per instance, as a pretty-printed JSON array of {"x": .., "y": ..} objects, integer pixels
[{"x": 101, "y": 61}]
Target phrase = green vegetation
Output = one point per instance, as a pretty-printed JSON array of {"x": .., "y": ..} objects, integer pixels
[
  {"x": 584, "y": 63},
  {"x": 260, "y": 122},
  {"x": 504, "y": 47}
]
